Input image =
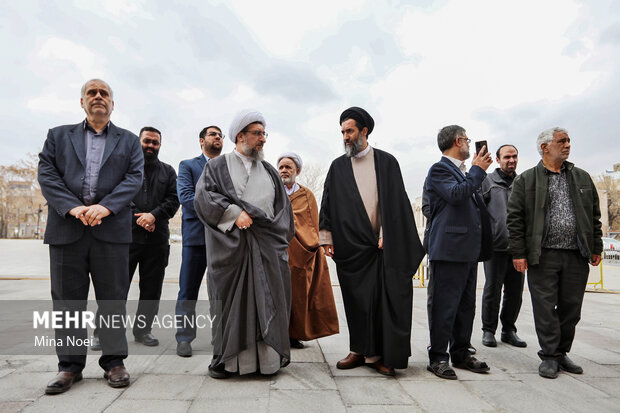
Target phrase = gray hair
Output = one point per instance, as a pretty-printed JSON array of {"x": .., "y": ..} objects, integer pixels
[
  {"x": 447, "y": 135},
  {"x": 83, "y": 91},
  {"x": 546, "y": 136}
]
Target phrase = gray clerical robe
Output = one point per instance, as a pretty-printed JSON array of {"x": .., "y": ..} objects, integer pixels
[{"x": 248, "y": 276}]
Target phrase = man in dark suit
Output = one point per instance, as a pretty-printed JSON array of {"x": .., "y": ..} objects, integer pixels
[
  {"x": 194, "y": 255},
  {"x": 89, "y": 173},
  {"x": 459, "y": 237}
]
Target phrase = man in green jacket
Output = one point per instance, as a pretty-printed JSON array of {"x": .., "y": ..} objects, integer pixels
[{"x": 555, "y": 230}]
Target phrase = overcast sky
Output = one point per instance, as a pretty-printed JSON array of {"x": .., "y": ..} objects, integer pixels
[{"x": 503, "y": 70}]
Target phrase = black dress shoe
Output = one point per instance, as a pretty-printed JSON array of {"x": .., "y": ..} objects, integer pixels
[
  {"x": 62, "y": 382},
  {"x": 442, "y": 369},
  {"x": 488, "y": 339},
  {"x": 184, "y": 349},
  {"x": 513, "y": 339},
  {"x": 472, "y": 364},
  {"x": 117, "y": 377},
  {"x": 148, "y": 339},
  {"x": 219, "y": 372},
  {"x": 568, "y": 365},
  {"x": 96, "y": 344},
  {"x": 296, "y": 343},
  {"x": 548, "y": 369}
]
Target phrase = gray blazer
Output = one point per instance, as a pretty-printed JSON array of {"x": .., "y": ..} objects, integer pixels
[{"x": 61, "y": 172}]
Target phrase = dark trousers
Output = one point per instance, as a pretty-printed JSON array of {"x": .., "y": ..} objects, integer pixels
[
  {"x": 193, "y": 266},
  {"x": 70, "y": 266},
  {"x": 151, "y": 261},
  {"x": 452, "y": 309},
  {"x": 557, "y": 285},
  {"x": 498, "y": 272}
]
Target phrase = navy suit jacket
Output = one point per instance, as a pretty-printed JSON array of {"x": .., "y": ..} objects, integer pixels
[
  {"x": 189, "y": 171},
  {"x": 62, "y": 165},
  {"x": 460, "y": 227}
]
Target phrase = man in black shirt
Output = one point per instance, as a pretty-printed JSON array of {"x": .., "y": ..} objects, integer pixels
[{"x": 152, "y": 207}]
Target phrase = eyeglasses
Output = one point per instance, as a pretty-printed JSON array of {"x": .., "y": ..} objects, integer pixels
[
  {"x": 465, "y": 139},
  {"x": 258, "y": 133},
  {"x": 213, "y": 134}
]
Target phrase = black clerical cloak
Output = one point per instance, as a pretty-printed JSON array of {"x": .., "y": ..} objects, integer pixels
[{"x": 376, "y": 285}]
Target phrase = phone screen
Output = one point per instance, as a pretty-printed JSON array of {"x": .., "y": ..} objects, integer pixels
[{"x": 479, "y": 145}]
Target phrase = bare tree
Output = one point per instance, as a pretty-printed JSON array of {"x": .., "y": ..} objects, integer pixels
[
  {"x": 313, "y": 177},
  {"x": 612, "y": 186}
]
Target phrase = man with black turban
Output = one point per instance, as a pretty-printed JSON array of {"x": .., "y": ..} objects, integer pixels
[{"x": 367, "y": 227}]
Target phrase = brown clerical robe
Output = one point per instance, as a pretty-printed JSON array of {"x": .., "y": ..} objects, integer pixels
[{"x": 313, "y": 311}]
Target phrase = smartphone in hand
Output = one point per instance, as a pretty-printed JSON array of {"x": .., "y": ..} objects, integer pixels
[{"x": 479, "y": 145}]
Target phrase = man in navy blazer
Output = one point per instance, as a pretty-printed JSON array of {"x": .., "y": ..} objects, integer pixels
[
  {"x": 89, "y": 173},
  {"x": 458, "y": 238},
  {"x": 194, "y": 254}
]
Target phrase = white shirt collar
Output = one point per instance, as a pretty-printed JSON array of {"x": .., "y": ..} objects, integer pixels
[
  {"x": 247, "y": 161},
  {"x": 293, "y": 189},
  {"x": 459, "y": 164},
  {"x": 363, "y": 153}
]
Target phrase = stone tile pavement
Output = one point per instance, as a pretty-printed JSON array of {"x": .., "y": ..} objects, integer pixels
[{"x": 164, "y": 382}]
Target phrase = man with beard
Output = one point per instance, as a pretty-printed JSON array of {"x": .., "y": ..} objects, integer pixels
[
  {"x": 367, "y": 227},
  {"x": 153, "y": 206},
  {"x": 313, "y": 311},
  {"x": 458, "y": 238},
  {"x": 499, "y": 271},
  {"x": 89, "y": 173},
  {"x": 249, "y": 223},
  {"x": 555, "y": 230},
  {"x": 194, "y": 256}
]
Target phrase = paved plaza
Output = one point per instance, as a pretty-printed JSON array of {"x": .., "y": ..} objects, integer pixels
[{"x": 164, "y": 382}]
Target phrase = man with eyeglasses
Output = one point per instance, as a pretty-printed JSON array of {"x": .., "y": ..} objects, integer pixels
[
  {"x": 367, "y": 227},
  {"x": 555, "y": 231},
  {"x": 459, "y": 237},
  {"x": 247, "y": 215},
  {"x": 194, "y": 255}
]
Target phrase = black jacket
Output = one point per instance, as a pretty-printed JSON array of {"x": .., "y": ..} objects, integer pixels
[
  {"x": 495, "y": 192},
  {"x": 158, "y": 196}
]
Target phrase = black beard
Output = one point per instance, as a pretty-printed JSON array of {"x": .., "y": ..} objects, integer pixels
[
  {"x": 213, "y": 150},
  {"x": 150, "y": 157}
]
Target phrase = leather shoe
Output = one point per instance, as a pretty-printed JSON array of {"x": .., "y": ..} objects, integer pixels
[
  {"x": 548, "y": 369},
  {"x": 296, "y": 343},
  {"x": 148, "y": 339},
  {"x": 442, "y": 369},
  {"x": 117, "y": 377},
  {"x": 381, "y": 368},
  {"x": 488, "y": 339},
  {"x": 472, "y": 364},
  {"x": 95, "y": 344},
  {"x": 184, "y": 349},
  {"x": 62, "y": 382},
  {"x": 568, "y": 365},
  {"x": 350, "y": 362},
  {"x": 218, "y": 372},
  {"x": 513, "y": 339}
]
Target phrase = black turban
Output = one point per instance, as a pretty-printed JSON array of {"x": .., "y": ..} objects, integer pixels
[{"x": 360, "y": 116}]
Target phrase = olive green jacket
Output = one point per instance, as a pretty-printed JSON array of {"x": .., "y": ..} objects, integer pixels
[{"x": 527, "y": 212}]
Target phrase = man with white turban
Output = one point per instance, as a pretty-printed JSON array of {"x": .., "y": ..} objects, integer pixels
[
  {"x": 248, "y": 225},
  {"x": 313, "y": 311}
]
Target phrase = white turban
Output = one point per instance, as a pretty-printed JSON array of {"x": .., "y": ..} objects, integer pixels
[
  {"x": 243, "y": 119},
  {"x": 296, "y": 158}
]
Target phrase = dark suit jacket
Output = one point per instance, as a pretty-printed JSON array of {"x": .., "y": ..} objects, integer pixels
[
  {"x": 189, "y": 171},
  {"x": 62, "y": 165},
  {"x": 460, "y": 229}
]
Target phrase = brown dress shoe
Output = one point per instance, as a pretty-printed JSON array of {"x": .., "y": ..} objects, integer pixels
[
  {"x": 62, "y": 382},
  {"x": 117, "y": 377},
  {"x": 350, "y": 362},
  {"x": 381, "y": 368}
]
